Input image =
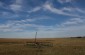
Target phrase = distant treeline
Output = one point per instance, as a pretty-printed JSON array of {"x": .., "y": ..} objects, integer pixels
[
  {"x": 79, "y": 37},
  {"x": 9, "y": 43}
]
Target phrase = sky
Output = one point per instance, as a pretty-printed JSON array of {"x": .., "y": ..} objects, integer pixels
[{"x": 50, "y": 18}]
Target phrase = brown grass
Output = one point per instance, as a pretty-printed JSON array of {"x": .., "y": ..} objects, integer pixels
[{"x": 62, "y": 46}]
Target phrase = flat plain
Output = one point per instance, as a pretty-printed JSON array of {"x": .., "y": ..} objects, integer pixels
[{"x": 61, "y": 46}]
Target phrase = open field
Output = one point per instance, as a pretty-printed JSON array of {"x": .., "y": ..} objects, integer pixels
[{"x": 61, "y": 46}]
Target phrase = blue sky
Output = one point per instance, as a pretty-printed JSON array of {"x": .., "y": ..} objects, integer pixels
[{"x": 50, "y": 18}]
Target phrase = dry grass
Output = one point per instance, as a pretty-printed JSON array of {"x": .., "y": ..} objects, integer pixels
[{"x": 62, "y": 46}]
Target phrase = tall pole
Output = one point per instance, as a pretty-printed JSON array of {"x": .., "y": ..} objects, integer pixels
[{"x": 35, "y": 37}]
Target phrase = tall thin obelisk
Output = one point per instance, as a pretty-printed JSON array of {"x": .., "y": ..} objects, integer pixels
[{"x": 36, "y": 37}]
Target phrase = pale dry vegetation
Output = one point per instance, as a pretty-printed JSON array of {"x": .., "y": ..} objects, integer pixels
[{"x": 61, "y": 46}]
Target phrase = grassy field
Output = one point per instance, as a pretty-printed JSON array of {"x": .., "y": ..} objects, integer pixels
[{"x": 61, "y": 46}]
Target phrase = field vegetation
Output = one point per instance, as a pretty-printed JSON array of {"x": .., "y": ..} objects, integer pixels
[{"x": 61, "y": 46}]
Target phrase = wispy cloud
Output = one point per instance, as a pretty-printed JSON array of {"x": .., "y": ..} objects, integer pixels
[
  {"x": 73, "y": 9},
  {"x": 47, "y": 31},
  {"x": 2, "y": 5},
  {"x": 50, "y": 7},
  {"x": 73, "y": 25},
  {"x": 70, "y": 9},
  {"x": 17, "y": 5},
  {"x": 64, "y": 1},
  {"x": 19, "y": 1},
  {"x": 74, "y": 21},
  {"x": 25, "y": 20},
  {"x": 22, "y": 24},
  {"x": 34, "y": 9},
  {"x": 8, "y": 15},
  {"x": 80, "y": 10}
]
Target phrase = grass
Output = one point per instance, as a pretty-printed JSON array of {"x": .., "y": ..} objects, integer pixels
[{"x": 61, "y": 46}]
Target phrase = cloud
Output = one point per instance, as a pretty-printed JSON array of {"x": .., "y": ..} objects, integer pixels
[
  {"x": 45, "y": 31},
  {"x": 54, "y": 33},
  {"x": 64, "y": 1},
  {"x": 27, "y": 26},
  {"x": 9, "y": 27},
  {"x": 73, "y": 9},
  {"x": 34, "y": 9},
  {"x": 31, "y": 20},
  {"x": 16, "y": 6},
  {"x": 74, "y": 21},
  {"x": 14, "y": 27},
  {"x": 49, "y": 6},
  {"x": 19, "y": 1},
  {"x": 20, "y": 6},
  {"x": 22, "y": 24},
  {"x": 4, "y": 26},
  {"x": 67, "y": 9},
  {"x": 80, "y": 10},
  {"x": 71, "y": 31},
  {"x": 8, "y": 15},
  {"x": 2, "y": 6}
]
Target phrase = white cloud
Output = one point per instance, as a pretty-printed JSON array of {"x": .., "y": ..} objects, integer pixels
[
  {"x": 64, "y": 1},
  {"x": 29, "y": 20},
  {"x": 73, "y": 21},
  {"x": 73, "y": 9},
  {"x": 35, "y": 19},
  {"x": 49, "y": 7},
  {"x": 67, "y": 9},
  {"x": 34, "y": 9},
  {"x": 80, "y": 10},
  {"x": 8, "y": 15},
  {"x": 9, "y": 27},
  {"x": 4, "y": 26},
  {"x": 26, "y": 20},
  {"x": 45, "y": 31},
  {"x": 19, "y": 5},
  {"x": 55, "y": 32},
  {"x": 18, "y": 24},
  {"x": 15, "y": 7},
  {"x": 19, "y": 1}
]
